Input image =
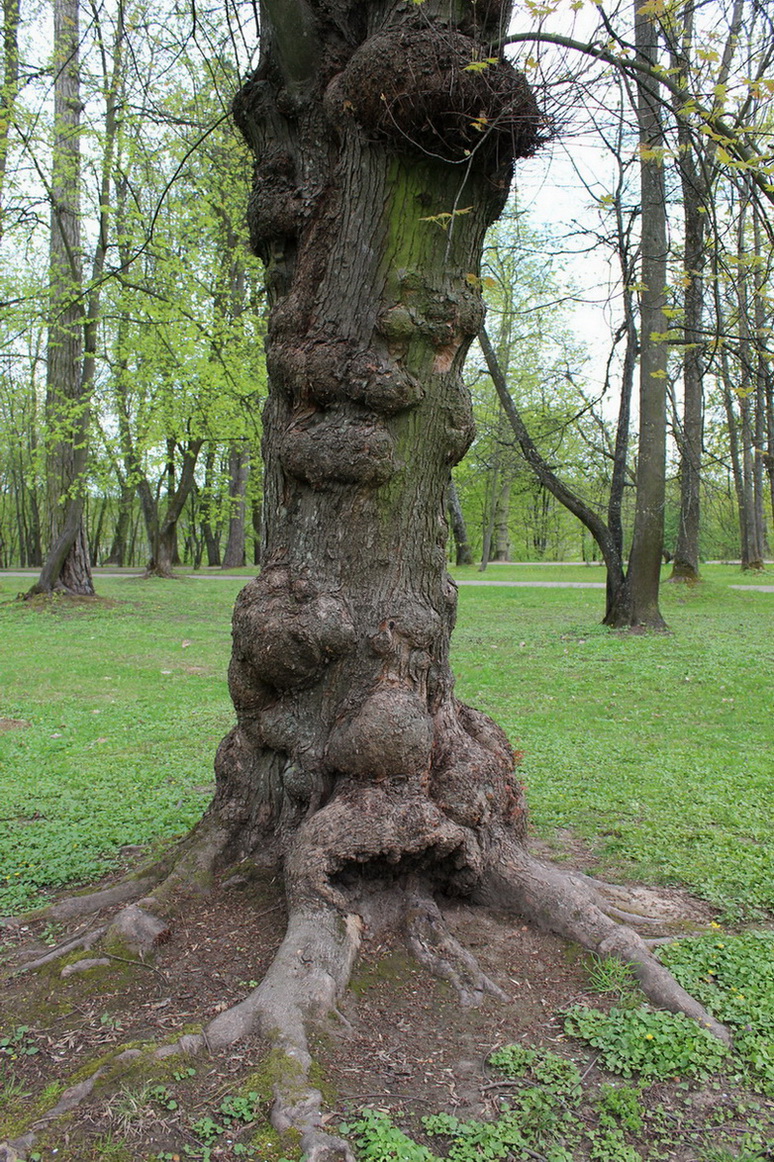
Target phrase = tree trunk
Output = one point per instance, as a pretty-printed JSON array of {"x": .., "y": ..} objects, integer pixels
[
  {"x": 637, "y": 601},
  {"x": 502, "y": 540},
  {"x": 211, "y": 535},
  {"x": 762, "y": 382},
  {"x": 66, "y": 565},
  {"x": 463, "y": 553},
  {"x": 370, "y": 217},
  {"x": 72, "y": 339},
  {"x": 118, "y": 554},
  {"x": 751, "y": 512},
  {"x": 489, "y": 513},
  {"x": 162, "y": 530},
  {"x": 10, "y": 87},
  {"x": 239, "y": 471},
  {"x": 694, "y": 185},
  {"x": 256, "y": 509}
]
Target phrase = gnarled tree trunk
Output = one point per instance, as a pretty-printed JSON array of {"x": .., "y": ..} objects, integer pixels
[{"x": 382, "y": 159}]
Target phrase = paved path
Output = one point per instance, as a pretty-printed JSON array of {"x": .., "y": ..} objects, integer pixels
[
  {"x": 483, "y": 581},
  {"x": 534, "y": 584}
]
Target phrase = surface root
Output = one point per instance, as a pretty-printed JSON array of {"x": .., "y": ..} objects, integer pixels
[
  {"x": 571, "y": 906},
  {"x": 442, "y": 954}
]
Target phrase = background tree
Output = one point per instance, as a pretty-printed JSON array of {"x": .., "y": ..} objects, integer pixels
[{"x": 67, "y": 563}]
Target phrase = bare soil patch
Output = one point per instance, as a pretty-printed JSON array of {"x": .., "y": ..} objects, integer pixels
[{"x": 13, "y": 724}]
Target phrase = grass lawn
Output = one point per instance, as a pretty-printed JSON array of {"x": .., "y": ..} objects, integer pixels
[{"x": 656, "y": 750}]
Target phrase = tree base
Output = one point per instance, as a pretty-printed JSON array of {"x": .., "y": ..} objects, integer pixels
[{"x": 330, "y": 913}]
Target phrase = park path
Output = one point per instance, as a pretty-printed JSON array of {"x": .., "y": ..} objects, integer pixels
[{"x": 475, "y": 581}]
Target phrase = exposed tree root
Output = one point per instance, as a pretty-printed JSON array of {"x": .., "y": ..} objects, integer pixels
[
  {"x": 572, "y": 906},
  {"x": 333, "y": 895},
  {"x": 434, "y": 947},
  {"x": 85, "y": 940},
  {"x": 124, "y": 892}
]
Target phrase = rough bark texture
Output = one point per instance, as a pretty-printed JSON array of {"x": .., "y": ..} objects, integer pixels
[{"x": 381, "y": 161}]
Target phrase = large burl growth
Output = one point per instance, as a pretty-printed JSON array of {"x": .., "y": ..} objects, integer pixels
[{"x": 384, "y": 135}]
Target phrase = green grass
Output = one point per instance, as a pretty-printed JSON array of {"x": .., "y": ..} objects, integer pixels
[
  {"x": 126, "y": 705},
  {"x": 656, "y": 750}
]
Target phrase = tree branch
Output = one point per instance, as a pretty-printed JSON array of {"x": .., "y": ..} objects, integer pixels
[
  {"x": 750, "y": 157},
  {"x": 542, "y": 470}
]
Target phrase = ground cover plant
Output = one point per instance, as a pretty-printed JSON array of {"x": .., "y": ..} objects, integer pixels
[{"x": 619, "y": 733}]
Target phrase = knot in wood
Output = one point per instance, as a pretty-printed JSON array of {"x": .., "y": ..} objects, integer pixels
[
  {"x": 288, "y": 637},
  {"x": 428, "y": 91},
  {"x": 332, "y": 447}
]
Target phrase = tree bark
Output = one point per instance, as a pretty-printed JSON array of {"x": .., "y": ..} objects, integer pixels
[
  {"x": 239, "y": 471},
  {"x": 373, "y": 189},
  {"x": 10, "y": 87},
  {"x": 73, "y": 330},
  {"x": 66, "y": 565},
  {"x": 694, "y": 185},
  {"x": 637, "y": 601}
]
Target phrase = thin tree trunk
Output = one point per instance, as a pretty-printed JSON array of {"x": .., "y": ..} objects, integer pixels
[
  {"x": 463, "y": 551},
  {"x": 685, "y": 564},
  {"x": 257, "y": 523},
  {"x": 621, "y": 448},
  {"x": 747, "y": 394},
  {"x": 489, "y": 514},
  {"x": 164, "y": 551},
  {"x": 118, "y": 554},
  {"x": 762, "y": 382},
  {"x": 239, "y": 472},
  {"x": 10, "y": 88},
  {"x": 210, "y": 534},
  {"x": 502, "y": 551},
  {"x": 593, "y": 522},
  {"x": 638, "y": 602},
  {"x": 72, "y": 344}
]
